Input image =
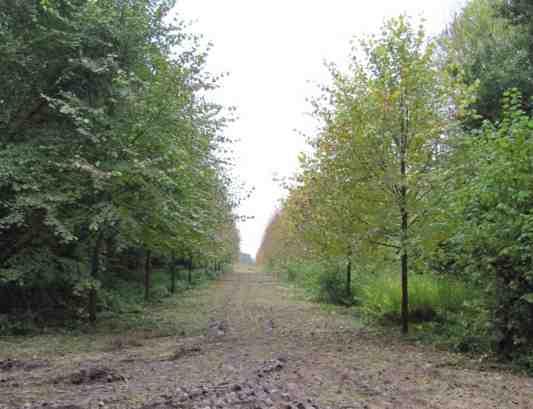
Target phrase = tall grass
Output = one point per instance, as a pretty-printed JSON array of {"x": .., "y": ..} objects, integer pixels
[
  {"x": 380, "y": 295},
  {"x": 449, "y": 312}
]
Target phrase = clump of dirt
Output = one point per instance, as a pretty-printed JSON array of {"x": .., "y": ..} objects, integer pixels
[
  {"x": 259, "y": 392},
  {"x": 273, "y": 365},
  {"x": 90, "y": 375},
  {"x": 185, "y": 350},
  {"x": 13, "y": 364},
  {"x": 216, "y": 328}
]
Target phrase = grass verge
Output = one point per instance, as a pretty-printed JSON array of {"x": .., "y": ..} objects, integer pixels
[{"x": 126, "y": 321}]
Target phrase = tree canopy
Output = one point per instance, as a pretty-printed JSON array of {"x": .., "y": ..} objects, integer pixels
[{"x": 108, "y": 142}]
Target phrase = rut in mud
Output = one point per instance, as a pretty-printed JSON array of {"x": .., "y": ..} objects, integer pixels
[{"x": 258, "y": 347}]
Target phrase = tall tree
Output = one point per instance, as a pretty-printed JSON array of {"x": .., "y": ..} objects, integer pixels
[{"x": 107, "y": 139}]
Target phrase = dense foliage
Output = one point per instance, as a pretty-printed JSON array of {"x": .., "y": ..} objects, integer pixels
[
  {"x": 110, "y": 153},
  {"x": 423, "y": 165}
]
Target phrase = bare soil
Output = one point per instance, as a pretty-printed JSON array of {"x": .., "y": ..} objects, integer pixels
[{"x": 250, "y": 343}]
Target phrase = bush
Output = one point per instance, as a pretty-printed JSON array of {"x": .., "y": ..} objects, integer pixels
[
  {"x": 492, "y": 223},
  {"x": 323, "y": 281}
]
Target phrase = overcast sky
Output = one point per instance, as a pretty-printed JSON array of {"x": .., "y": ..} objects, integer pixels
[{"x": 274, "y": 51}]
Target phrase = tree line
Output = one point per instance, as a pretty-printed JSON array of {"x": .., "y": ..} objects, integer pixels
[
  {"x": 111, "y": 154},
  {"x": 421, "y": 172}
]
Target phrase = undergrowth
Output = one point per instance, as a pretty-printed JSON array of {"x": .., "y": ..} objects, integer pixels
[
  {"x": 128, "y": 321},
  {"x": 430, "y": 297},
  {"x": 443, "y": 310},
  {"x": 121, "y": 306}
]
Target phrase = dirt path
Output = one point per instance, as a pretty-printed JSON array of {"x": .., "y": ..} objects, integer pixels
[{"x": 256, "y": 347}]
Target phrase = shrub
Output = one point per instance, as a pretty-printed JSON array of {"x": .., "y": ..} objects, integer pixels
[{"x": 323, "y": 281}]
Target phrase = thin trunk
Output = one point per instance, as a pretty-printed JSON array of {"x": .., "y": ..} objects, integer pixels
[
  {"x": 173, "y": 268},
  {"x": 95, "y": 268},
  {"x": 111, "y": 251},
  {"x": 404, "y": 217},
  {"x": 189, "y": 276},
  {"x": 147, "y": 274},
  {"x": 404, "y": 271},
  {"x": 349, "y": 279},
  {"x": 403, "y": 250}
]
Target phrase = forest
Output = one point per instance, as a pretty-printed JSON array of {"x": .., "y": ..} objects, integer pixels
[
  {"x": 414, "y": 202},
  {"x": 115, "y": 184}
]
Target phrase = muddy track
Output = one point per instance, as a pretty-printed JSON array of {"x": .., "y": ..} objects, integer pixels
[{"x": 260, "y": 348}]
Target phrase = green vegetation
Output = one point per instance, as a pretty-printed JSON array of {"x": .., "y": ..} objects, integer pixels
[
  {"x": 110, "y": 158},
  {"x": 415, "y": 203},
  {"x": 132, "y": 324}
]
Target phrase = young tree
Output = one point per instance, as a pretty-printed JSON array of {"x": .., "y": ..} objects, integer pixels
[{"x": 392, "y": 115}]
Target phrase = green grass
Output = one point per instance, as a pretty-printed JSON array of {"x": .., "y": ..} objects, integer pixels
[{"x": 380, "y": 294}]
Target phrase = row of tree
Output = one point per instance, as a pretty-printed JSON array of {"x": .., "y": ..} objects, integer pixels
[
  {"x": 111, "y": 154},
  {"x": 424, "y": 159}
]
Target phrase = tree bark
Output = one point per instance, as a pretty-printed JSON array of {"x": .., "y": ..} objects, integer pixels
[
  {"x": 147, "y": 274},
  {"x": 405, "y": 286},
  {"x": 95, "y": 269}
]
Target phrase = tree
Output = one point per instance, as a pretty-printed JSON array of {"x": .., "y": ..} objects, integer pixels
[
  {"x": 520, "y": 13},
  {"x": 491, "y": 218},
  {"x": 477, "y": 41},
  {"x": 386, "y": 126},
  {"x": 107, "y": 142}
]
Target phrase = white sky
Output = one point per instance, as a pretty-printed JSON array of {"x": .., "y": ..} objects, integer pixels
[{"x": 274, "y": 51}]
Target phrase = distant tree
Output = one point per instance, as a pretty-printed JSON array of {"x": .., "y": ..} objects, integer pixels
[
  {"x": 245, "y": 258},
  {"x": 491, "y": 52}
]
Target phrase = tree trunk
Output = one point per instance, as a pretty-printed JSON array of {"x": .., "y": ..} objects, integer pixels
[
  {"x": 189, "y": 276},
  {"x": 95, "y": 268},
  {"x": 147, "y": 274},
  {"x": 403, "y": 242},
  {"x": 404, "y": 215},
  {"x": 349, "y": 279},
  {"x": 405, "y": 293},
  {"x": 111, "y": 251},
  {"x": 403, "y": 250},
  {"x": 173, "y": 274}
]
